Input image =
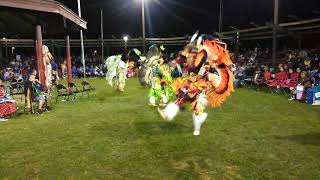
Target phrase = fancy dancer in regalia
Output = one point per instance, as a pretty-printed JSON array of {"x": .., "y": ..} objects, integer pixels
[{"x": 209, "y": 80}]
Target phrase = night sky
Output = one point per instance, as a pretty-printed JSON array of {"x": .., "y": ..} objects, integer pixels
[
  {"x": 164, "y": 18},
  {"x": 181, "y": 17}
]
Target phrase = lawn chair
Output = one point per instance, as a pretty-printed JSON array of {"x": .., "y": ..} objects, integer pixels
[
  {"x": 275, "y": 83},
  {"x": 262, "y": 82},
  {"x": 290, "y": 83},
  {"x": 87, "y": 88},
  {"x": 30, "y": 99},
  {"x": 16, "y": 87},
  {"x": 62, "y": 91},
  {"x": 248, "y": 81},
  {"x": 74, "y": 89}
]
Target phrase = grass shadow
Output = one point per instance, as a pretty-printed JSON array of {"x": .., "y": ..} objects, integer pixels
[
  {"x": 160, "y": 128},
  {"x": 306, "y": 139},
  {"x": 140, "y": 129}
]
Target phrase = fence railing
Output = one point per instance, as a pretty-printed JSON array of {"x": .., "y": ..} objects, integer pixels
[{"x": 177, "y": 41}]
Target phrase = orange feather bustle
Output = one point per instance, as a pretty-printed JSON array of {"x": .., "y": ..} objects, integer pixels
[
  {"x": 215, "y": 54},
  {"x": 225, "y": 87}
]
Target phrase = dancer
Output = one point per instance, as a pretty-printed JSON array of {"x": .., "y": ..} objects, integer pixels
[
  {"x": 159, "y": 76},
  {"x": 161, "y": 89},
  {"x": 133, "y": 59},
  {"x": 209, "y": 80},
  {"x": 112, "y": 66},
  {"x": 122, "y": 73},
  {"x": 142, "y": 72},
  {"x": 47, "y": 57}
]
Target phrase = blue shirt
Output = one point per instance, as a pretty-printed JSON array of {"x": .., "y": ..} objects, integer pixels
[{"x": 54, "y": 66}]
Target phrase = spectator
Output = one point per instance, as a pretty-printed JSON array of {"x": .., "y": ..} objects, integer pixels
[
  {"x": 34, "y": 91},
  {"x": 240, "y": 75},
  {"x": 64, "y": 69},
  {"x": 80, "y": 71},
  {"x": 307, "y": 63},
  {"x": 74, "y": 71},
  {"x": 299, "y": 92},
  {"x": 55, "y": 70},
  {"x": 7, "y": 105},
  {"x": 316, "y": 96}
]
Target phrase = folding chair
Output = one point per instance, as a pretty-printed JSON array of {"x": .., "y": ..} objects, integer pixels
[
  {"x": 262, "y": 82},
  {"x": 87, "y": 88},
  {"x": 62, "y": 91},
  {"x": 290, "y": 83},
  {"x": 275, "y": 83},
  {"x": 30, "y": 99},
  {"x": 16, "y": 87},
  {"x": 74, "y": 89}
]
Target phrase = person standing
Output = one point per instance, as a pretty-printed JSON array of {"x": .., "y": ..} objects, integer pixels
[
  {"x": 47, "y": 57},
  {"x": 64, "y": 69},
  {"x": 55, "y": 69}
]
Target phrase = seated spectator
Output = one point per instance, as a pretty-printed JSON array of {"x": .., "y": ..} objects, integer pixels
[
  {"x": 292, "y": 80},
  {"x": 7, "y": 74},
  {"x": 299, "y": 92},
  {"x": 258, "y": 76},
  {"x": 307, "y": 63},
  {"x": 87, "y": 71},
  {"x": 316, "y": 60},
  {"x": 34, "y": 92},
  {"x": 8, "y": 106},
  {"x": 74, "y": 71},
  {"x": 80, "y": 71},
  {"x": 316, "y": 91},
  {"x": 55, "y": 68},
  {"x": 91, "y": 69},
  {"x": 240, "y": 75},
  {"x": 266, "y": 74},
  {"x": 96, "y": 71},
  {"x": 64, "y": 69}
]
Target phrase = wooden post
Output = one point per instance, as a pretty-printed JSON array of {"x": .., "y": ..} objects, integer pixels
[
  {"x": 68, "y": 58},
  {"x": 40, "y": 65},
  {"x": 275, "y": 32}
]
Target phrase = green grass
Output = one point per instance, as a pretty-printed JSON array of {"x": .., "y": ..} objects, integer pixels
[{"x": 254, "y": 135}]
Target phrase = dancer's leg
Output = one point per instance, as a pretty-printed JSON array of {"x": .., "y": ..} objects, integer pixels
[
  {"x": 164, "y": 100},
  {"x": 198, "y": 120},
  {"x": 170, "y": 112},
  {"x": 199, "y": 116}
]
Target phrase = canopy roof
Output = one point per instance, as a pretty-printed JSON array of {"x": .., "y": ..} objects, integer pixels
[
  {"x": 18, "y": 18},
  {"x": 295, "y": 29}
]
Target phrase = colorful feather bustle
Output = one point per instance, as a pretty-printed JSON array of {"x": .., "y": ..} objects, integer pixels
[
  {"x": 220, "y": 83},
  {"x": 225, "y": 87},
  {"x": 217, "y": 97}
]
